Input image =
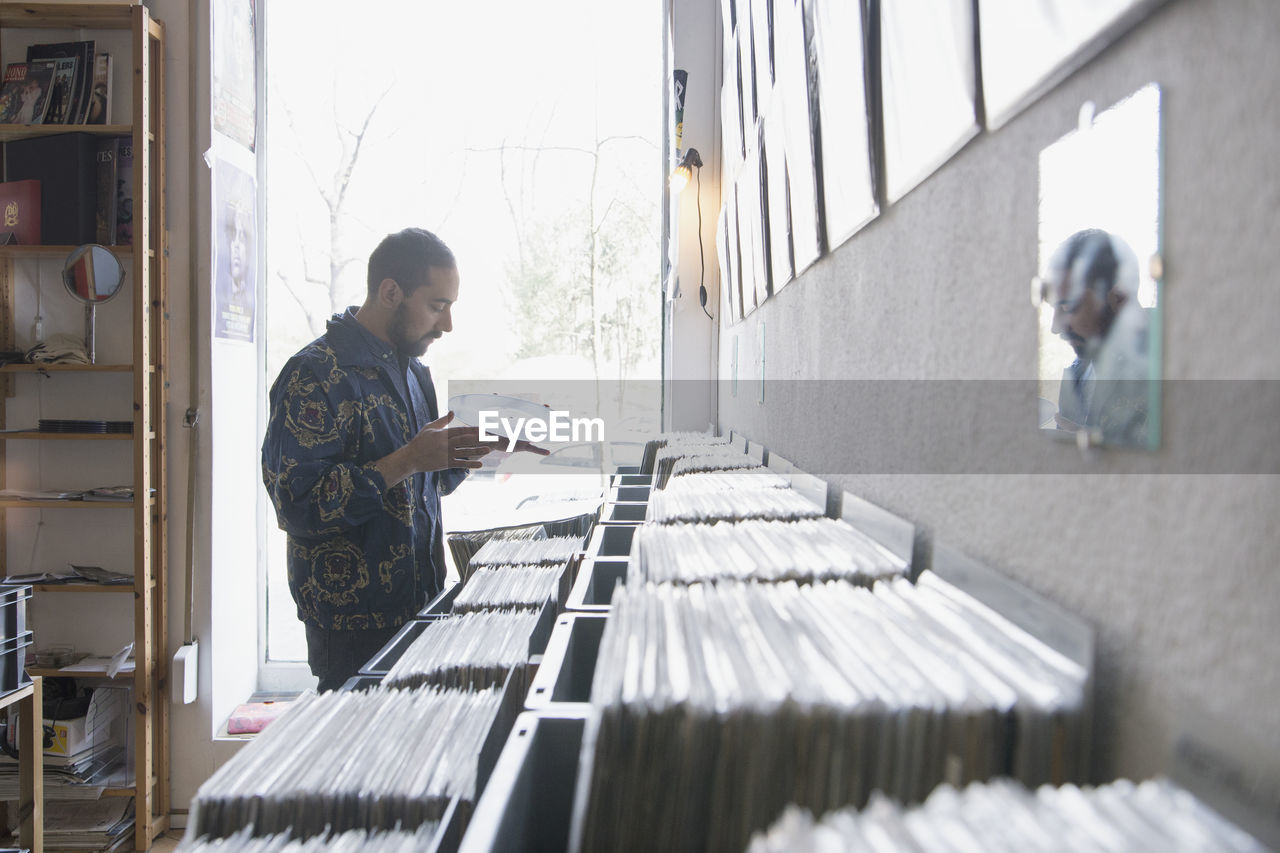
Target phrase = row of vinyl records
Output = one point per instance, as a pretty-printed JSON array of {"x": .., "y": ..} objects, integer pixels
[{"x": 717, "y": 701}]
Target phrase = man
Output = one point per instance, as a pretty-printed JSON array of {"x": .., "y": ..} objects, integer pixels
[
  {"x": 356, "y": 458},
  {"x": 1093, "y": 284}
]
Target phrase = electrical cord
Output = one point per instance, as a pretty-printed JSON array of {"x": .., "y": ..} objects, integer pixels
[{"x": 702, "y": 260}]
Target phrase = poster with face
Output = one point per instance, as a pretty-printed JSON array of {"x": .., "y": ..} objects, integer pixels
[
  {"x": 234, "y": 261},
  {"x": 235, "y": 70}
]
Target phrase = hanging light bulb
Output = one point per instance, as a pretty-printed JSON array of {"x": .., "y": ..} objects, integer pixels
[{"x": 683, "y": 173}]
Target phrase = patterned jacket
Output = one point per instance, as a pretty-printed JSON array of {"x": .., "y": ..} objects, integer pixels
[{"x": 360, "y": 555}]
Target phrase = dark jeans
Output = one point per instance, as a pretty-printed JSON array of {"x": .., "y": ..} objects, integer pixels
[{"x": 335, "y": 656}]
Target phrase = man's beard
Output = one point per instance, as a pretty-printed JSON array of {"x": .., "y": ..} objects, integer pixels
[{"x": 400, "y": 340}]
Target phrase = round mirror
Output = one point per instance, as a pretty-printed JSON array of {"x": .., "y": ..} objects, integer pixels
[{"x": 93, "y": 274}]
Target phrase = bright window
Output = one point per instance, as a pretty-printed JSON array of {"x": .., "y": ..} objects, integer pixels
[{"x": 527, "y": 135}]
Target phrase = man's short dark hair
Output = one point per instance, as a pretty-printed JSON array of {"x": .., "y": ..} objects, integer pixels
[{"x": 405, "y": 257}]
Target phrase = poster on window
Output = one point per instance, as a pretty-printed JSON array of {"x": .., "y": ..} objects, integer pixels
[
  {"x": 235, "y": 273},
  {"x": 235, "y": 71}
]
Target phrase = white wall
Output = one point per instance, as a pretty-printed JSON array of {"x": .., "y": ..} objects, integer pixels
[
  {"x": 692, "y": 335},
  {"x": 1177, "y": 572}
]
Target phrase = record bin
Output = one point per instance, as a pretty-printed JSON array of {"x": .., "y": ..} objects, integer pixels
[
  {"x": 569, "y": 664},
  {"x": 13, "y": 610},
  {"x": 624, "y": 512},
  {"x": 593, "y": 590},
  {"x": 13, "y": 661},
  {"x": 443, "y": 602},
  {"x": 528, "y": 801},
  {"x": 1059, "y": 629},
  {"x": 630, "y": 480},
  {"x": 611, "y": 541},
  {"x": 814, "y": 489},
  {"x": 894, "y": 533},
  {"x": 360, "y": 682},
  {"x": 628, "y": 494},
  {"x": 385, "y": 658}
]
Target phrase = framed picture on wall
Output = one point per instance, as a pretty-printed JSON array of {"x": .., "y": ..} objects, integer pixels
[
  {"x": 731, "y": 110},
  {"x": 773, "y": 163},
  {"x": 235, "y": 270},
  {"x": 791, "y": 70},
  {"x": 928, "y": 82},
  {"x": 836, "y": 52},
  {"x": 762, "y": 49},
  {"x": 747, "y": 79},
  {"x": 235, "y": 71},
  {"x": 1029, "y": 47}
]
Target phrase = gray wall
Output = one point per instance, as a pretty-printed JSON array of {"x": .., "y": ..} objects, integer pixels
[{"x": 1176, "y": 571}]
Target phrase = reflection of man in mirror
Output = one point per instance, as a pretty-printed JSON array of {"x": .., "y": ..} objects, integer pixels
[{"x": 1092, "y": 281}]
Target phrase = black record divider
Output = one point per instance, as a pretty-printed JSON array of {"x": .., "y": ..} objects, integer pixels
[
  {"x": 385, "y": 658},
  {"x": 620, "y": 512},
  {"x": 529, "y": 796},
  {"x": 563, "y": 681},
  {"x": 593, "y": 590},
  {"x": 442, "y": 603}
]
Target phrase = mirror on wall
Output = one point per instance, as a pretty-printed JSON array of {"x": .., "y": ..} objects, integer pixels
[{"x": 1098, "y": 288}]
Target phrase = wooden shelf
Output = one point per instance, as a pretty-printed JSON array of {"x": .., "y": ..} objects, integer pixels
[
  {"x": 82, "y": 587},
  {"x": 67, "y": 368},
  {"x": 14, "y": 251},
  {"x": 37, "y": 435},
  {"x": 147, "y": 264},
  {"x": 106, "y": 16},
  {"x": 66, "y": 504},
  {"x": 53, "y": 672},
  {"x": 14, "y": 132}
]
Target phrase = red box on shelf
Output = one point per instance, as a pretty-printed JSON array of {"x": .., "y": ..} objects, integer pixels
[{"x": 20, "y": 212}]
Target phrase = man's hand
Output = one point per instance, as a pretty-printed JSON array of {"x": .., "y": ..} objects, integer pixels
[{"x": 436, "y": 447}]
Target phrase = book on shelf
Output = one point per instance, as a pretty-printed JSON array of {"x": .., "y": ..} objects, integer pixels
[
  {"x": 20, "y": 206},
  {"x": 105, "y": 214},
  {"x": 76, "y": 96},
  {"x": 24, "y": 92},
  {"x": 66, "y": 167},
  {"x": 98, "y": 110},
  {"x": 124, "y": 192}
]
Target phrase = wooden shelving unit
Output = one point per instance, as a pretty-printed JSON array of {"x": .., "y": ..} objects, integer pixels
[{"x": 147, "y": 265}]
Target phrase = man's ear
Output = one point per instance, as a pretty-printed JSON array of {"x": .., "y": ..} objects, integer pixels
[
  {"x": 1115, "y": 298},
  {"x": 389, "y": 293}
]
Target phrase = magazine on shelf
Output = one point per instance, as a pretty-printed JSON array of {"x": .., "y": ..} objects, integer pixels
[
  {"x": 24, "y": 92},
  {"x": 98, "y": 109},
  {"x": 77, "y": 95},
  {"x": 60, "y": 106}
]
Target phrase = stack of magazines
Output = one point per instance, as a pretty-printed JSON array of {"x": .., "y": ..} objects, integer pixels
[
  {"x": 351, "y": 841},
  {"x": 706, "y": 507},
  {"x": 723, "y": 703},
  {"x": 1003, "y": 815},
  {"x": 379, "y": 759},
  {"x": 805, "y": 550},
  {"x": 509, "y": 586},
  {"x": 464, "y": 546},
  {"x": 680, "y": 460},
  {"x": 527, "y": 552},
  {"x": 106, "y": 824},
  {"x": 471, "y": 651},
  {"x": 675, "y": 439},
  {"x": 727, "y": 481}
]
